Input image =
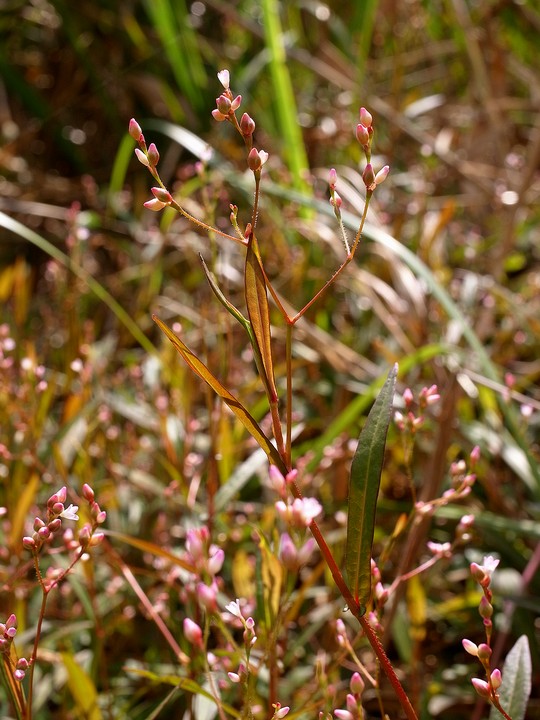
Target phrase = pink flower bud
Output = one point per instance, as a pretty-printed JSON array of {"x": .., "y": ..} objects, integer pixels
[
  {"x": 195, "y": 544},
  {"x": 287, "y": 552},
  {"x": 477, "y": 571},
  {"x": 62, "y": 494},
  {"x": 153, "y": 155},
  {"x": 485, "y": 608},
  {"x": 380, "y": 177},
  {"x": 141, "y": 157},
  {"x": 357, "y": 684},
  {"x": 332, "y": 178},
  {"x": 29, "y": 543},
  {"x": 277, "y": 480},
  {"x": 474, "y": 456},
  {"x": 281, "y": 712},
  {"x": 135, "y": 129},
  {"x": 247, "y": 125},
  {"x": 162, "y": 195},
  {"x": 484, "y": 651},
  {"x": 366, "y": 117},
  {"x": 215, "y": 561},
  {"x": 368, "y": 176},
  {"x": 496, "y": 679},
  {"x": 155, "y": 205},
  {"x": 193, "y": 632},
  {"x": 470, "y": 647},
  {"x": 19, "y": 675},
  {"x": 55, "y": 525},
  {"x": 85, "y": 533},
  {"x": 336, "y": 201},
  {"x": 235, "y": 104},
  {"x": 96, "y": 539},
  {"x": 207, "y": 596},
  {"x": 362, "y": 135},
  {"x": 223, "y": 104},
  {"x": 218, "y": 116},
  {"x": 343, "y": 715},
  {"x": 481, "y": 687},
  {"x": 254, "y": 161},
  {"x": 87, "y": 493}
]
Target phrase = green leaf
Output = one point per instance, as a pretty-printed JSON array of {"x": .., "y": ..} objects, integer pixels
[
  {"x": 259, "y": 316},
  {"x": 363, "y": 491},
  {"x": 200, "y": 369},
  {"x": 182, "y": 683},
  {"x": 516, "y": 685},
  {"x": 82, "y": 688},
  {"x": 227, "y": 304}
]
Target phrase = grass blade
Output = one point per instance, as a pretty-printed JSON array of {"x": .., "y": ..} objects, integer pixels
[
  {"x": 285, "y": 104},
  {"x": 17, "y": 228},
  {"x": 180, "y": 46},
  {"x": 363, "y": 491}
]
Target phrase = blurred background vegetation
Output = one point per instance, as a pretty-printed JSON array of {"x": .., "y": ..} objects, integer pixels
[{"x": 447, "y": 283}]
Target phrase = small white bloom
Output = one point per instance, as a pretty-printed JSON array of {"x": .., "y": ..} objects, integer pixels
[
  {"x": 224, "y": 78},
  {"x": 306, "y": 510},
  {"x": 234, "y": 609},
  {"x": 70, "y": 513}
]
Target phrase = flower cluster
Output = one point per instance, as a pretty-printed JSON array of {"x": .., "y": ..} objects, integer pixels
[
  {"x": 249, "y": 637},
  {"x": 149, "y": 157},
  {"x": 485, "y": 688},
  {"x": 46, "y": 529},
  {"x": 226, "y": 106},
  {"x": 364, "y": 135},
  {"x": 8, "y": 630},
  {"x": 410, "y": 422},
  {"x": 354, "y": 709},
  {"x": 299, "y": 513},
  {"x": 207, "y": 560}
]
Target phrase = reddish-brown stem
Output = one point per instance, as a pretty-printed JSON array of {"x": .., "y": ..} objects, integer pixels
[
  {"x": 28, "y": 712},
  {"x": 203, "y": 225},
  {"x": 288, "y": 419},
  {"x": 257, "y": 175},
  {"x": 340, "y": 269},
  {"x": 357, "y": 611}
]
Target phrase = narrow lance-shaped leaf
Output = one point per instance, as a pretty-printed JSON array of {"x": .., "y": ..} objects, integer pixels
[
  {"x": 227, "y": 304},
  {"x": 515, "y": 690},
  {"x": 236, "y": 406},
  {"x": 364, "y": 483},
  {"x": 259, "y": 315}
]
